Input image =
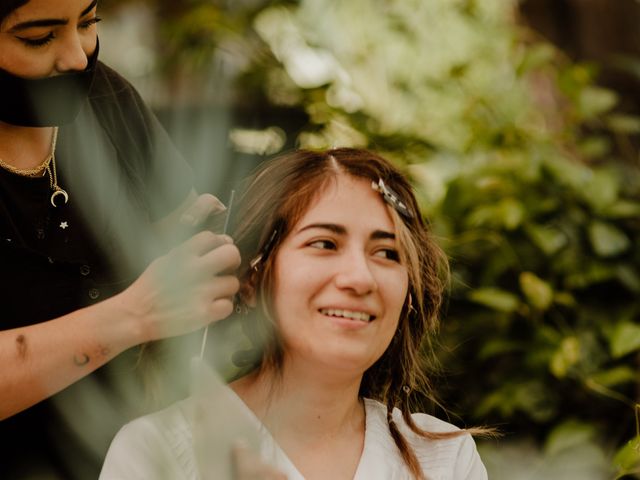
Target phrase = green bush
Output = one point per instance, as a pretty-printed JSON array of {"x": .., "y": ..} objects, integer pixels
[{"x": 510, "y": 147}]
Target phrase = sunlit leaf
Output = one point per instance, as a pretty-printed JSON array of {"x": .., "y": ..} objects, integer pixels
[
  {"x": 496, "y": 299},
  {"x": 568, "y": 434},
  {"x": 627, "y": 459},
  {"x": 538, "y": 292},
  {"x": 596, "y": 100},
  {"x": 615, "y": 376},
  {"x": 629, "y": 277},
  {"x": 601, "y": 189},
  {"x": 629, "y": 124},
  {"x": 548, "y": 239},
  {"x": 565, "y": 357},
  {"x": 625, "y": 339},
  {"x": 536, "y": 57},
  {"x": 607, "y": 240},
  {"x": 623, "y": 209}
]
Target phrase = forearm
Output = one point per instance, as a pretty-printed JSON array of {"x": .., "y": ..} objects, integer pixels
[{"x": 40, "y": 360}]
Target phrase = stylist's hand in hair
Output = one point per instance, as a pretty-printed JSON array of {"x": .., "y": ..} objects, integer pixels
[{"x": 186, "y": 289}]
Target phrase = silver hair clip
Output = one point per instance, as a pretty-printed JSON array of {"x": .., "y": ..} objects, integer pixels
[{"x": 392, "y": 198}]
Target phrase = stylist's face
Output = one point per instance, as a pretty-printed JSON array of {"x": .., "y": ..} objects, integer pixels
[{"x": 48, "y": 37}]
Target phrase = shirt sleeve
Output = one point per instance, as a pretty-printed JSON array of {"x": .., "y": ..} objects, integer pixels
[
  {"x": 468, "y": 465},
  {"x": 139, "y": 452}
]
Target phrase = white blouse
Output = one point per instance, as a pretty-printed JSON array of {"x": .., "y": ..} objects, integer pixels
[{"x": 160, "y": 446}]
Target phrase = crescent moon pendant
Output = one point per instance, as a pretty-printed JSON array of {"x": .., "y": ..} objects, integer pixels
[{"x": 59, "y": 191}]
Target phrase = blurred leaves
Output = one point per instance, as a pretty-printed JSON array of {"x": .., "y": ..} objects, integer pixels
[{"x": 509, "y": 146}]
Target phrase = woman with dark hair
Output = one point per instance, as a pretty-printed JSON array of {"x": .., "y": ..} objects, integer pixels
[
  {"x": 341, "y": 284},
  {"x": 88, "y": 181}
]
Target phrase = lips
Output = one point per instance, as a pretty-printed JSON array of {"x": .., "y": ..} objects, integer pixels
[{"x": 348, "y": 314}]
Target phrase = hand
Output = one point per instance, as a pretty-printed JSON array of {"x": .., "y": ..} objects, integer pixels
[
  {"x": 249, "y": 466},
  {"x": 186, "y": 289},
  {"x": 197, "y": 214}
]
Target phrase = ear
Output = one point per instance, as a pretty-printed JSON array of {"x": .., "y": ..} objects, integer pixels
[{"x": 248, "y": 294}]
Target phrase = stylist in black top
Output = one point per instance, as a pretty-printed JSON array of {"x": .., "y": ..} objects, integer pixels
[{"x": 95, "y": 206}]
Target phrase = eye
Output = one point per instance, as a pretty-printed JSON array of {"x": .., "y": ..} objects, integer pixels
[
  {"x": 323, "y": 245},
  {"x": 89, "y": 23},
  {"x": 389, "y": 254},
  {"x": 37, "y": 42}
]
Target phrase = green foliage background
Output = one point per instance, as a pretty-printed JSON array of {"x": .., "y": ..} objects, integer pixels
[{"x": 512, "y": 150}]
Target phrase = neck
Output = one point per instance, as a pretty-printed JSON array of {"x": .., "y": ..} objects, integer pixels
[
  {"x": 24, "y": 147},
  {"x": 315, "y": 417},
  {"x": 305, "y": 406}
]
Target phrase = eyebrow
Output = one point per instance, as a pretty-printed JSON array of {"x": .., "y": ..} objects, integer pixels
[
  {"x": 49, "y": 22},
  {"x": 340, "y": 230}
]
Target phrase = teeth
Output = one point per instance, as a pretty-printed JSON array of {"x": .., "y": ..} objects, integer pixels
[{"x": 334, "y": 312}]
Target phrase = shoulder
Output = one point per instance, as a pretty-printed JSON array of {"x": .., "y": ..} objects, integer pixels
[
  {"x": 451, "y": 458},
  {"x": 424, "y": 421},
  {"x": 152, "y": 445}
]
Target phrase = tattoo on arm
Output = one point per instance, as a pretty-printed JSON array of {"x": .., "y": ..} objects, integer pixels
[
  {"x": 21, "y": 344},
  {"x": 81, "y": 360}
]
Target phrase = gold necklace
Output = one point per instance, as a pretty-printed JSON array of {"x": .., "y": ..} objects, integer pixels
[{"x": 48, "y": 166}]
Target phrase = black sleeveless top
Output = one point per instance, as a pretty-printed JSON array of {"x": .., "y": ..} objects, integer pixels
[{"x": 122, "y": 173}]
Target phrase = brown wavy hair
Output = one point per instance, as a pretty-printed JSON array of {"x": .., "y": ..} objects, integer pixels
[{"x": 275, "y": 197}]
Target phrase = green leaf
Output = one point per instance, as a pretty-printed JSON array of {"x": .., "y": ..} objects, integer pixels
[
  {"x": 568, "y": 434},
  {"x": 601, "y": 189},
  {"x": 538, "y": 292},
  {"x": 607, "y": 240},
  {"x": 536, "y": 57},
  {"x": 615, "y": 376},
  {"x": 498, "y": 346},
  {"x": 622, "y": 209},
  {"x": 547, "y": 239},
  {"x": 627, "y": 276},
  {"x": 625, "y": 339},
  {"x": 627, "y": 459},
  {"x": 629, "y": 124},
  {"x": 508, "y": 213},
  {"x": 496, "y": 299},
  {"x": 595, "y": 100},
  {"x": 565, "y": 357}
]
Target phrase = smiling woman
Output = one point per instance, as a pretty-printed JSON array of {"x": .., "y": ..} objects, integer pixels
[
  {"x": 341, "y": 284},
  {"x": 93, "y": 195}
]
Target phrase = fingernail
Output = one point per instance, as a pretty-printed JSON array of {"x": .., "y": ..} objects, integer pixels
[{"x": 221, "y": 207}]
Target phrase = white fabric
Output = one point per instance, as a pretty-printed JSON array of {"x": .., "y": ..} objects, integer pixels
[{"x": 160, "y": 446}]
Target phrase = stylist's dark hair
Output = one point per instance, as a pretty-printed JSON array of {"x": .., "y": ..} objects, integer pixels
[
  {"x": 274, "y": 199},
  {"x": 8, "y": 6}
]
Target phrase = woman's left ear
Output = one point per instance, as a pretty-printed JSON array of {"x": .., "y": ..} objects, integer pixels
[{"x": 247, "y": 294}]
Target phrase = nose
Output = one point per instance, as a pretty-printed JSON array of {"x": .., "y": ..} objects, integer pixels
[
  {"x": 355, "y": 275},
  {"x": 72, "y": 56}
]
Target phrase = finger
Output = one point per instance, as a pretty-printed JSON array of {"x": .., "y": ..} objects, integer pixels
[
  {"x": 204, "y": 206},
  {"x": 204, "y": 242},
  {"x": 224, "y": 259},
  {"x": 222, "y": 287},
  {"x": 221, "y": 308}
]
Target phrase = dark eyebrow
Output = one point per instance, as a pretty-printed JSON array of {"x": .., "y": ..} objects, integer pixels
[
  {"x": 49, "y": 22},
  {"x": 340, "y": 230}
]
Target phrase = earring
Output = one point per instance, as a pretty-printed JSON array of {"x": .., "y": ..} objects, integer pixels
[{"x": 241, "y": 308}]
